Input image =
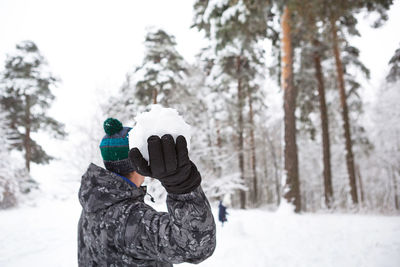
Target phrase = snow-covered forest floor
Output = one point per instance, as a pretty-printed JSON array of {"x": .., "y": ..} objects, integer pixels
[{"x": 44, "y": 234}]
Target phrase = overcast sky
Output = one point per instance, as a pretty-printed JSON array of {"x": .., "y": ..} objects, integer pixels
[{"x": 91, "y": 44}]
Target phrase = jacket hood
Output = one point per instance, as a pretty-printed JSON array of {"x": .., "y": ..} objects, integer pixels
[{"x": 101, "y": 188}]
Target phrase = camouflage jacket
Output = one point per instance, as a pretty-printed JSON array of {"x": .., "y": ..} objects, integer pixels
[{"x": 117, "y": 228}]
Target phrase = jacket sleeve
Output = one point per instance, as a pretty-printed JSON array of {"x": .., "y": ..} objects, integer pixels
[{"x": 185, "y": 234}]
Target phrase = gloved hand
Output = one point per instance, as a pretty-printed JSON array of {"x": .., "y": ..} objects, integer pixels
[{"x": 169, "y": 163}]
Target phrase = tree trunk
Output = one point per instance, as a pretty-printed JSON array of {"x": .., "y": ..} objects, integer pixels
[
  {"x": 292, "y": 186},
  {"x": 279, "y": 68},
  {"x": 219, "y": 146},
  {"x": 240, "y": 131},
  {"x": 396, "y": 198},
  {"x": 155, "y": 93},
  {"x": 219, "y": 141},
  {"x": 345, "y": 115},
  {"x": 27, "y": 140},
  {"x": 265, "y": 164},
  {"x": 325, "y": 128},
  {"x": 253, "y": 147},
  {"x": 275, "y": 161},
  {"x": 360, "y": 184}
]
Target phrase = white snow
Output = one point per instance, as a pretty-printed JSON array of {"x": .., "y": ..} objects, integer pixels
[
  {"x": 40, "y": 69},
  {"x": 285, "y": 208},
  {"x": 43, "y": 235},
  {"x": 239, "y": 8},
  {"x": 46, "y": 235},
  {"x": 157, "y": 121}
]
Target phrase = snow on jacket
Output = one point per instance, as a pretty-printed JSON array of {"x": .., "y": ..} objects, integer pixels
[{"x": 117, "y": 228}]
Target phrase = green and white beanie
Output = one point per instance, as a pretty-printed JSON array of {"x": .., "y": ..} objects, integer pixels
[{"x": 114, "y": 147}]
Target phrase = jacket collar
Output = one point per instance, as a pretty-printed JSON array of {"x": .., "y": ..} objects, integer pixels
[{"x": 101, "y": 189}]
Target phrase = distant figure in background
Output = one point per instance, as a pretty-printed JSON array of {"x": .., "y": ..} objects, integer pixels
[{"x": 222, "y": 213}]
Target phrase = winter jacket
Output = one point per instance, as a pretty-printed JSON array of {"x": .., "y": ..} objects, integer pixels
[{"x": 117, "y": 228}]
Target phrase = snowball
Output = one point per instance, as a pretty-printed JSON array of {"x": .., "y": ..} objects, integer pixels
[{"x": 157, "y": 121}]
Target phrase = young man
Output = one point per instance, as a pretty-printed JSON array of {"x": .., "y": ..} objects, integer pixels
[{"x": 117, "y": 228}]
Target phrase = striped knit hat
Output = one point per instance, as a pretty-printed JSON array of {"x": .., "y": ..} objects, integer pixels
[{"x": 114, "y": 147}]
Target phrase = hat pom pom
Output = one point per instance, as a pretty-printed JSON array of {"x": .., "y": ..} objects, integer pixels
[{"x": 112, "y": 126}]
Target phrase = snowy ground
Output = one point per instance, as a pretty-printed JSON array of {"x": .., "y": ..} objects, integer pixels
[{"x": 45, "y": 235}]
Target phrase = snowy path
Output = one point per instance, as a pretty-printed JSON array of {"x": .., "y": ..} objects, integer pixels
[
  {"x": 46, "y": 236},
  {"x": 259, "y": 238}
]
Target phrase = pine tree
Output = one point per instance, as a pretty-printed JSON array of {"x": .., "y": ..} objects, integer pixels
[
  {"x": 26, "y": 85},
  {"x": 216, "y": 104},
  {"x": 310, "y": 80},
  {"x": 328, "y": 188},
  {"x": 234, "y": 27},
  {"x": 311, "y": 33},
  {"x": 162, "y": 71},
  {"x": 292, "y": 183},
  {"x": 345, "y": 112},
  {"x": 341, "y": 17},
  {"x": 211, "y": 145},
  {"x": 252, "y": 144},
  {"x": 159, "y": 79}
]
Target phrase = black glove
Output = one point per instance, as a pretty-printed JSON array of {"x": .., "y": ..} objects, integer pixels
[{"x": 169, "y": 163}]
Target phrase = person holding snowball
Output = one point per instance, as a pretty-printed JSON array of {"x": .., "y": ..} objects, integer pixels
[{"x": 117, "y": 228}]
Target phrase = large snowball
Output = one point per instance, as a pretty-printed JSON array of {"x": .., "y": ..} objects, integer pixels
[{"x": 157, "y": 121}]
